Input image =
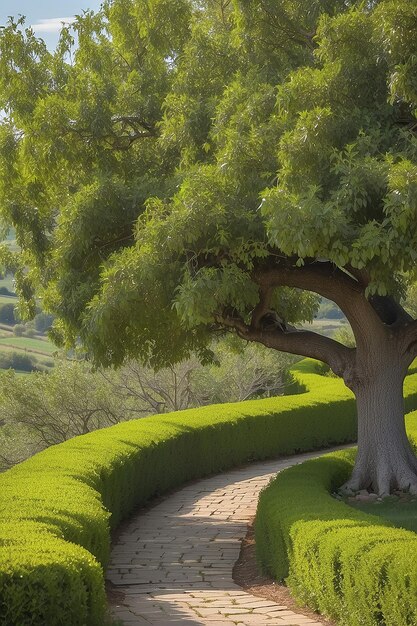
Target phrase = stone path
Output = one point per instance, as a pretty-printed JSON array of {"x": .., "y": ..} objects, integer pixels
[{"x": 174, "y": 562}]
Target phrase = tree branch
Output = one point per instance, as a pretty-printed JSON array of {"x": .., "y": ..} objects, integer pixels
[
  {"x": 330, "y": 282},
  {"x": 298, "y": 35},
  {"x": 362, "y": 276},
  {"x": 302, "y": 342},
  {"x": 133, "y": 128},
  {"x": 322, "y": 277},
  {"x": 133, "y": 121},
  {"x": 262, "y": 307}
]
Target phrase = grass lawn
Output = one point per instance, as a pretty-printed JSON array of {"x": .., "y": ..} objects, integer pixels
[
  {"x": 8, "y": 299},
  {"x": 400, "y": 510},
  {"x": 325, "y": 326}
]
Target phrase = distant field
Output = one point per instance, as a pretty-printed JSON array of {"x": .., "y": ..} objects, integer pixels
[
  {"x": 8, "y": 299},
  {"x": 41, "y": 355},
  {"x": 28, "y": 344},
  {"x": 325, "y": 326},
  {"x": 7, "y": 281}
]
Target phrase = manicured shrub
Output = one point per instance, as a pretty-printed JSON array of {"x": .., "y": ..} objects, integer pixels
[
  {"x": 29, "y": 331},
  {"x": 352, "y": 566},
  {"x": 57, "y": 508},
  {"x": 59, "y": 505}
]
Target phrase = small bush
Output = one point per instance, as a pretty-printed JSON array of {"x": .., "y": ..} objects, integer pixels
[
  {"x": 43, "y": 322},
  {"x": 18, "y": 361},
  {"x": 7, "y": 314},
  {"x": 19, "y": 330}
]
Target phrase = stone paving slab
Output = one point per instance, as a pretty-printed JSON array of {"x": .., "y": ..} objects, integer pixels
[{"x": 174, "y": 561}]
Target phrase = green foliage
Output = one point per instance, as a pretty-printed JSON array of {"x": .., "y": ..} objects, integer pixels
[
  {"x": 242, "y": 374},
  {"x": 49, "y": 407},
  {"x": 340, "y": 561},
  {"x": 7, "y": 313},
  {"x": 349, "y": 565},
  {"x": 410, "y": 303},
  {"x": 188, "y": 145},
  {"x": 57, "y": 507},
  {"x": 43, "y": 322},
  {"x": 18, "y": 361}
]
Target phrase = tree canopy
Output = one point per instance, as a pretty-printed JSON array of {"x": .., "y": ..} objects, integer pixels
[{"x": 154, "y": 170}]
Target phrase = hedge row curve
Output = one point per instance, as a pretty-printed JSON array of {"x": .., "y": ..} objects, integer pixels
[
  {"x": 57, "y": 509},
  {"x": 354, "y": 567}
]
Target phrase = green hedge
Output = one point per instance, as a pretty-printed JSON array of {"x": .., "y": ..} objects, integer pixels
[
  {"x": 57, "y": 508},
  {"x": 346, "y": 564}
]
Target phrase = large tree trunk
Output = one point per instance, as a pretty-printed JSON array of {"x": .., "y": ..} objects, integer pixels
[
  {"x": 385, "y": 459},
  {"x": 386, "y": 343}
]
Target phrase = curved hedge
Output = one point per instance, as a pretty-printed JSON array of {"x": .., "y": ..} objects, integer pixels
[
  {"x": 57, "y": 508},
  {"x": 354, "y": 567}
]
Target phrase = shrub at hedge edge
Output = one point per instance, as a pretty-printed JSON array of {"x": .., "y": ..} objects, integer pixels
[{"x": 351, "y": 566}]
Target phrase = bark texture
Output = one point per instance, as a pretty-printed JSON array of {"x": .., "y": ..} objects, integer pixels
[{"x": 385, "y": 459}]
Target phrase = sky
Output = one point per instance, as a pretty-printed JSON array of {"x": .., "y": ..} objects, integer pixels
[{"x": 45, "y": 16}]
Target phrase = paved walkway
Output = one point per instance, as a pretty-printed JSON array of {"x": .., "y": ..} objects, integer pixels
[{"x": 174, "y": 561}]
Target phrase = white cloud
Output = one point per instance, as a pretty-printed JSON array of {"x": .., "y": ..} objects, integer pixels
[{"x": 52, "y": 25}]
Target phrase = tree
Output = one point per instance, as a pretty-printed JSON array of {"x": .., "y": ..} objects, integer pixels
[
  {"x": 42, "y": 409},
  {"x": 143, "y": 391},
  {"x": 45, "y": 408},
  {"x": 237, "y": 373},
  {"x": 43, "y": 322},
  {"x": 242, "y": 373},
  {"x": 410, "y": 301},
  {"x": 7, "y": 314},
  {"x": 202, "y": 167}
]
